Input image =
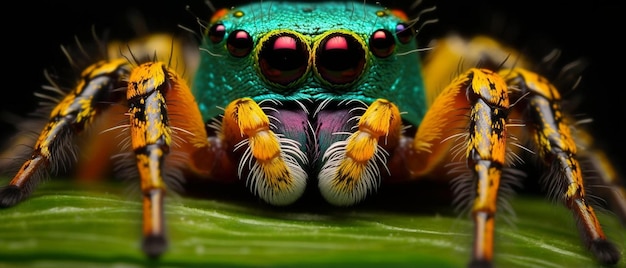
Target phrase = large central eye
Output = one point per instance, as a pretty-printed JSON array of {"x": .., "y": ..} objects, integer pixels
[
  {"x": 340, "y": 58},
  {"x": 283, "y": 58}
]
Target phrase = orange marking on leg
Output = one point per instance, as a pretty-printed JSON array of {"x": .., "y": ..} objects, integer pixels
[
  {"x": 487, "y": 188},
  {"x": 486, "y": 151},
  {"x": 189, "y": 133},
  {"x": 150, "y": 139},
  {"x": 27, "y": 170},
  {"x": 153, "y": 213},
  {"x": 484, "y": 226},
  {"x": 557, "y": 148},
  {"x": 69, "y": 117},
  {"x": 439, "y": 116},
  {"x": 444, "y": 118}
]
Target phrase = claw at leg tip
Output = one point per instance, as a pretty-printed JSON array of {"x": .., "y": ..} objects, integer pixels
[
  {"x": 154, "y": 246},
  {"x": 10, "y": 195},
  {"x": 605, "y": 251},
  {"x": 480, "y": 264}
]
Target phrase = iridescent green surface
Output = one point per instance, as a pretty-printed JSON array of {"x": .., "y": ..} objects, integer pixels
[
  {"x": 222, "y": 78},
  {"x": 64, "y": 225}
]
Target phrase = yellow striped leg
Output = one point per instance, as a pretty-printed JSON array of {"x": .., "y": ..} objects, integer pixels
[
  {"x": 53, "y": 149},
  {"x": 557, "y": 149}
]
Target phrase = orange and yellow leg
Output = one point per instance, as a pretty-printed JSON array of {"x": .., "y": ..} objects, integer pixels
[
  {"x": 152, "y": 87},
  {"x": 152, "y": 134},
  {"x": 54, "y": 147},
  {"x": 556, "y": 147},
  {"x": 168, "y": 133},
  {"x": 485, "y": 93},
  {"x": 605, "y": 181}
]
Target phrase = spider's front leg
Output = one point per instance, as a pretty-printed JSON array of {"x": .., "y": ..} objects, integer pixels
[
  {"x": 486, "y": 94},
  {"x": 475, "y": 106},
  {"x": 149, "y": 86},
  {"x": 93, "y": 93},
  {"x": 557, "y": 149},
  {"x": 163, "y": 117}
]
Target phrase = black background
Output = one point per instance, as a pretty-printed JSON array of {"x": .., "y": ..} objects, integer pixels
[{"x": 33, "y": 32}]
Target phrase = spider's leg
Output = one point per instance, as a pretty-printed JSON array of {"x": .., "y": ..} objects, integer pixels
[
  {"x": 271, "y": 165},
  {"x": 485, "y": 93},
  {"x": 94, "y": 92},
  {"x": 557, "y": 148},
  {"x": 606, "y": 181},
  {"x": 486, "y": 150},
  {"x": 155, "y": 94}
]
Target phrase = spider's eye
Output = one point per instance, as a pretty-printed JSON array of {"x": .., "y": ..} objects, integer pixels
[
  {"x": 340, "y": 58},
  {"x": 216, "y": 33},
  {"x": 283, "y": 58},
  {"x": 382, "y": 43},
  {"x": 239, "y": 43},
  {"x": 404, "y": 33}
]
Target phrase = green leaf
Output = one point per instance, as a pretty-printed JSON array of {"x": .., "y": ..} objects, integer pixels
[{"x": 64, "y": 224}]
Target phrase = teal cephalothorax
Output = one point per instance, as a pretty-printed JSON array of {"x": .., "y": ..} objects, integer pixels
[{"x": 309, "y": 51}]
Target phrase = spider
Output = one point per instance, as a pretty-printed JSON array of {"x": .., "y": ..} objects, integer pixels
[{"x": 287, "y": 103}]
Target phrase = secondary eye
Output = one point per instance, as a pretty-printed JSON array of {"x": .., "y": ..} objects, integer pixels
[
  {"x": 283, "y": 58},
  {"x": 340, "y": 58},
  {"x": 382, "y": 43},
  {"x": 239, "y": 43},
  {"x": 217, "y": 32},
  {"x": 404, "y": 33}
]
